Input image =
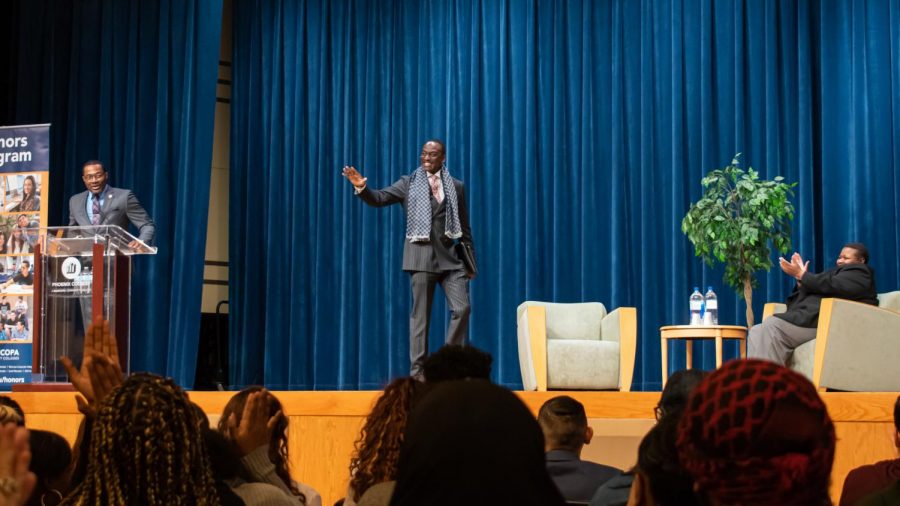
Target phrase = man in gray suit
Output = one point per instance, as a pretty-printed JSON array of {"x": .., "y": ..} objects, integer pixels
[
  {"x": 436, "y": 216},
  {"x": 102, "y": 204}
]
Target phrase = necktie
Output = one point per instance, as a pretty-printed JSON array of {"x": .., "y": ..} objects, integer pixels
[
  {"x": 95, "y": 210},
  {"x": 435, "y": 181}
]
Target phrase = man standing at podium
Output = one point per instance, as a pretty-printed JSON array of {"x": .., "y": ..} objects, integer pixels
[
  {"x": 102, "y": 204},
  {"x": 436, "y": 216}
]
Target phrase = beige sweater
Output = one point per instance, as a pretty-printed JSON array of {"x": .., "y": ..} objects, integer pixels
[{"x": 269, "y": 490}]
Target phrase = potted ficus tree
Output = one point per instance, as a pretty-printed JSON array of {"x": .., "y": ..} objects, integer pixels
[{"x": 735, "y": 221}]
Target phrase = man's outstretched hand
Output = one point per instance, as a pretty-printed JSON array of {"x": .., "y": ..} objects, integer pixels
[
  {"x": 355, "y": 178},
  {"x": 796, "y": 268}
]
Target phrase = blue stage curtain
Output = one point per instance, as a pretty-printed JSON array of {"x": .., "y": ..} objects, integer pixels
[
  {"x": 132, "y": 84},
  {"x": 581, "y": 129}
]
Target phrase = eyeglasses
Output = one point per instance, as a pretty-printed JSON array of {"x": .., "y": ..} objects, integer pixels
[{"x": 94, "y": 177}]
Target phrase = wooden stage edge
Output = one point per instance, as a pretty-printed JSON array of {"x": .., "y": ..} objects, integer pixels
[{"x": 324, "y": 425}]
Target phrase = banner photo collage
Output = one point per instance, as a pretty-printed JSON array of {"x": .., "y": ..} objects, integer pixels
[{"x": 24, "y": 176}]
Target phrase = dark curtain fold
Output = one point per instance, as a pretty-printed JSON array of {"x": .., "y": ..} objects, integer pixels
[
  {"x": 581, "y": 130},
  {"x": 132, "y": 84}
]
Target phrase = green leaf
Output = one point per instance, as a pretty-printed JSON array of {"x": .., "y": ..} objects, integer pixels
[{"x": 738, "y": 220}]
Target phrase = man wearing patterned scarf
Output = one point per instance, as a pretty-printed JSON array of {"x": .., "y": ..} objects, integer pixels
[
  {"x": 757, "y": 433},
  {"x": 436, "y": 217}
]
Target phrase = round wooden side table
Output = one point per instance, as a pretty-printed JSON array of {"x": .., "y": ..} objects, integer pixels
[{"x": 691, "y": 332}]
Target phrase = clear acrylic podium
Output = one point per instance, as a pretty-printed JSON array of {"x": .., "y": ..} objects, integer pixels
[{"x": 80, "y": 274}]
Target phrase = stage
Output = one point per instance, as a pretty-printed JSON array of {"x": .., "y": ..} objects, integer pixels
[{"x": 324, "y": 425}]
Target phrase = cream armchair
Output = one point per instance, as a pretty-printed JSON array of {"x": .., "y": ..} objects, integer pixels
[
  {"x": 857, "y": 346},
  {"x": 576, "y": 346}
]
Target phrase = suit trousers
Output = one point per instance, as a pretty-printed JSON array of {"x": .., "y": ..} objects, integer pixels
[
  {"x": 456, "y": 289},
  {"x": 775, "y": 339}
]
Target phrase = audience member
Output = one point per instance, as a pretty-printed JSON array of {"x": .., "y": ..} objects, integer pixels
[
  {"x": 99, "y": 375},
  {"x": 378, "y": 494},
  {"x": 865, "y": 480},
  {"x": 146, "y": 448},
  {"x": 378, "y": 447},
  {"x": 254, "y": 421},
  {"x": 81, "y": 452},
  {"x": 756, "y": 433},
  {"x": 566, "y": 431},
  {"x": 16, "y": 481},
  {"x": 100, "y": 372},
  {"x": 51, "y": 462},
  {"x": 674, "y": 397},
  {"x": 17, "y": 416},
  {"x": 473, "y": 442},
  {"x": 659, "y": 479},
  {"x": 887, "y": 497},
  {"x": 234, "y": 483},
  {"x": 455, "y": 362}
]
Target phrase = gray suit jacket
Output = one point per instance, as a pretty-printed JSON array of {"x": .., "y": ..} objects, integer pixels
[
  {"x": 120, "y": 208},
  {"x": 436, "y": 255}
]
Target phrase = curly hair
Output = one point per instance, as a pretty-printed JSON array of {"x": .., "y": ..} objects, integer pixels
[
  {"x": 377, "y": 450},
  {"x": 278, "y": 446},
  {"x": 146, "y": 448}
]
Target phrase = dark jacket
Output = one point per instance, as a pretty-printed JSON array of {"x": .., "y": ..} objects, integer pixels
[
  {"x": 577, "y": 479},
  {"x": 852, "y": 281}
]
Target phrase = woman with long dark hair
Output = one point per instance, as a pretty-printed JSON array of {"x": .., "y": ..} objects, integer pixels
[
  {"x": 377, "y": 450},
  {"x": 17, "y": 243},
  {"x": 30, "y": 200},
  {"x": 254, "y": 420}
]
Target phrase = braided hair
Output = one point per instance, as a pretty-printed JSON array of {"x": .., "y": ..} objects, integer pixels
[
  {"x": 146, "y": 448},
  {"x": 278, "y": 446},
  {"x": 755, "y": 432},
  {"x": 377, "y": 450}
]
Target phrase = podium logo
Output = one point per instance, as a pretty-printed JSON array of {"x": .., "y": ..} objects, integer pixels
[
  {"x": 9, "y": 352},
  {"x": 71, "y": 268}
]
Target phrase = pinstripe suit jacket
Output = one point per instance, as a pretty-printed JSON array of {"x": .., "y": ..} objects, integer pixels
[{"x": 435, "y": 255}]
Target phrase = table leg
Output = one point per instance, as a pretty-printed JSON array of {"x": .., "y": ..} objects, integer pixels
[
  {"x": 743, "y": 343},
  {"x": 689, "y": 353},
  {"x": 718, "y": 348},
  {"x": 664, "y": 352}
]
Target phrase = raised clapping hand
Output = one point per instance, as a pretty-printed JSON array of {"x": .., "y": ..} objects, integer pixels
[
  {"x": 100, "y": 372},
  {"x": 255, "y": 427},
  {"x": 796, "y": 268},
  {"x": 16, "y": 482},
  {"x": 353, "y": 175}
]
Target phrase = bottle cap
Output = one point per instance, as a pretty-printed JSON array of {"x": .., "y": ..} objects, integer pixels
[{"x": 696, "y": 288}]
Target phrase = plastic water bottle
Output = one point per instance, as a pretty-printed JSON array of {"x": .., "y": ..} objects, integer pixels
[
  {"x": 711, "y": 315},
  {"x": 696, "y": 307}
]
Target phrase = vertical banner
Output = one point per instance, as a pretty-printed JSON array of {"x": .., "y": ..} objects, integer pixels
[{"x": 24, "y": 176}]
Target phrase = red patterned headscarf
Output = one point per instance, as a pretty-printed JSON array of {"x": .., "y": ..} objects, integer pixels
[{"x": 755, "y": 432}]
